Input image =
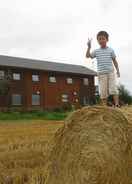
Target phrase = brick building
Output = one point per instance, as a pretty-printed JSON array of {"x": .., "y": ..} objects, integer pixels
[{"x": 36, "y": 84}]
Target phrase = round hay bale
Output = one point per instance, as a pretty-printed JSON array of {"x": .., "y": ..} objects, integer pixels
[{"x": 92, "y": 148}]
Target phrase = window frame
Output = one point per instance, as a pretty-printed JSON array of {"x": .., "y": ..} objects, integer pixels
[
  {"x": 16, "y": 73},
  {"x": 85, "y": 81},
  {"x": 75, "y": 93},
  {"x": 36, "y": 74},
  {"x": 68, "y": 79},
  {"x": 52, "y": 77},
  {"x": 86, "y": 100},
  {"x": 64, "y": 98},
  {"x": 33, "y": 104},
  {"x": 16, "y": 104},
  {"x": 2, "y": 76}
]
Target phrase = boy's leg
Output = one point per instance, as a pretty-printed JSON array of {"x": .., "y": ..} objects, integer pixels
[
  {"x": 116, "y": 100},
  {"x": 113, "y": 89},
  {"x": 103, "y": 88}
]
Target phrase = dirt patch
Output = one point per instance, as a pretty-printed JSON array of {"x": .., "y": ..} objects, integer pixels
[{"x": 93, "y": 147}]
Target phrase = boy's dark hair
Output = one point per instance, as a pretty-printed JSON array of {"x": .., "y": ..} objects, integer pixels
[{"x": 103, "y": 33}]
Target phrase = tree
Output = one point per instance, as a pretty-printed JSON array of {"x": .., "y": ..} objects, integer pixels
[
  {"x": 4, "y": 87},
  {"x": 124, "y": 95}
]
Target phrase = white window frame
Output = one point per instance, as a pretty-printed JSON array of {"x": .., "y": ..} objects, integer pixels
[
  {"x": 75, "y": 93},
  {"x": 64, "y": 97},
  {"x": 2, "y": 74},
  {"x": 17, "y": 95},
  {"x": 85, "y": 100},
  {"x": 69, "y": 80},
  {"x": 35, "y": 77},
  {"x": 86, "y": 81},
  {"x": 76, "y": 100},
  {"x": 36, "y": 104},
  {"x": 52, "y": 79},
  {"x": 16, "y": 76}
]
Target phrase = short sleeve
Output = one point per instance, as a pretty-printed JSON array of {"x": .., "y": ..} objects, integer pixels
[
  {"x": 113, "y": 55},
  {"x": 93, "y": 54}
]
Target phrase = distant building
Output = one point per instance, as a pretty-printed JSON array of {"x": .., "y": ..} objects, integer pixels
[{"x": 36, "y": 84}]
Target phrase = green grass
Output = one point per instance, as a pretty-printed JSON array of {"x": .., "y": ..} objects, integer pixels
[{"x": 45, "y": 115}]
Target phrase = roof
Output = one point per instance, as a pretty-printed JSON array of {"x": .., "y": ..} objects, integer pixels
[{"x": 44, "y": 65}]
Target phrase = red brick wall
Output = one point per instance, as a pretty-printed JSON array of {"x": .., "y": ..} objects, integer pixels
[{"x": 50, "y": 92}]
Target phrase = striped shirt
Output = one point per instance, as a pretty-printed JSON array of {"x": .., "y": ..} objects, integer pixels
[{"x": 104, "y": 58}]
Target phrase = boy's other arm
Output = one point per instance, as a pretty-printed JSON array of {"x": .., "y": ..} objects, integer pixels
[{"x": 116, "y": 66}]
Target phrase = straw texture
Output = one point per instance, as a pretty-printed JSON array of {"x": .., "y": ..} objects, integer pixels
[{"x": 93, "y": 147}]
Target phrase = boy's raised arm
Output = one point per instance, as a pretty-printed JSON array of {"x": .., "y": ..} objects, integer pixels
[
  {"x": 88, "y": 53},
  {"x": 88, "y": 49}
]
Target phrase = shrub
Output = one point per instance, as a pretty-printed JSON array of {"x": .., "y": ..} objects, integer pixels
[
  {"x": 124, "y": 95},
  {"x": 4, "y": 87},
  {"x": 67, "y": 107}
]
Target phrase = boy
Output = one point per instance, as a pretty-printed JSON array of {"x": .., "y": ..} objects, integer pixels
[{"x": 105, "y": 59}]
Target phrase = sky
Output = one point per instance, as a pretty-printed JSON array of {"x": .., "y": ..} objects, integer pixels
[{"x": 58, "y": 30}]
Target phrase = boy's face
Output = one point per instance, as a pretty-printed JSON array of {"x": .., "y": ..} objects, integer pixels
[{"x": 102, "y": 40}]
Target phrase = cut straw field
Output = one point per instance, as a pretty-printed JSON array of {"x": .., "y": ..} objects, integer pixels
[{"x": 23, "y": 148}]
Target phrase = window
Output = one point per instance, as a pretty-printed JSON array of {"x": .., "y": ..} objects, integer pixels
[
  {"x": 2, "y": 74},
  {"x": 9, "y": 75},
  {"x": 35, "y": 77},
  {"x": 85, "y": 81},
  {"x": 75, "y": 93},
  {"x": 69, "y": 81},
  {"x": 35, "y": 99},
  {"x": 16, "y": 99},
  {"x": 96, "y": 90},
  {"x": 76, "y": 100},
  {"x": 52, "y": 79},
  {"x": 86, "y": 100},
  {"x": 16, "y": 76},
  {"x": 64, "y": 97}
]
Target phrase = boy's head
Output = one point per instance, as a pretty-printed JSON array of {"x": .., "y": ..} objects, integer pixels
[{"x": 102, "y": 38}]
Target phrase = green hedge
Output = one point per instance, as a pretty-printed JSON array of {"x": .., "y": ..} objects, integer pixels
[{"x": 33, "y": 115}]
